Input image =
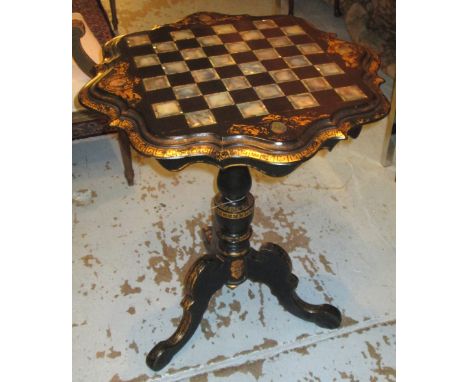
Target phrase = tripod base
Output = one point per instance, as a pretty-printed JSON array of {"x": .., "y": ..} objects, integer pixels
[
  {"x": 270, "y": 265},
  {"x": 230, "y": 261}
]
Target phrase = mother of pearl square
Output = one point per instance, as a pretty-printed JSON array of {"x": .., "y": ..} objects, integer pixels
[
  {"x": 280, "y": 41},
  {"x": 269, "y": 91},
  {"x": 209, "y": 40},
  {"x": 252, "y": 109},
  {"x": 184, "y": 34},
  {"x": 252, "y": 68},
  {"x": 223, "y": 60},
  {"x": 137, "y": 40},
  {"x": 293, "y": 29},
  {"x": 175, "y": 67},
  {"x": 235, "y": 83},
  {"x": 218, "y": 99},
  {"x": 146, "y": 60},
  {"x": 192, "y": 53},
  {"x": 203, "y": 75},
  {"x": 165, "y": 109},
  {"x": 237, "y": 47},
  {"x": 350, "y": 93},
  {"x": 297, "y": 61},
  {"x": 266, "y": 54},
  {"x": 200, "y": 118},
  {"x": 302, "y": 101},
  {"x": 166, "y": 46},
  {"x": 265, "y": 24},
  {"x": 329, "y": 69},
  {"x": 316, "y": 84},
  {"x": 284, "y": 75},
  {"x": 154, "y": 83},
  {"x": 252, "y": 35},
  {"x": 310, "y": 48},
  {"x": 186, "y": 91},
  {"x": 224, "y": 28}
]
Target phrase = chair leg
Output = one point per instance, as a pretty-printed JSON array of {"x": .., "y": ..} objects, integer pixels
[
  {"x": 125, "y": 150},
  {"x": 291, "y": 7},
  {"x": 115, "y": 21},
  {"x": 337, "y": 9},
  {"x": 388, "y": 150}
]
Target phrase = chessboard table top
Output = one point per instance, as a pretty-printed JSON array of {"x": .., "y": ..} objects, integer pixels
[{"x": 263, "y": 91}]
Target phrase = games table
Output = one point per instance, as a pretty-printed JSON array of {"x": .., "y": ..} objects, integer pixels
[{"x": 236, "y": 92}]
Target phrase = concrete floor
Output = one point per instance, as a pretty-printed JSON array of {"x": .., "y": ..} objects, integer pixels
[{"x": 335, "y": 215}]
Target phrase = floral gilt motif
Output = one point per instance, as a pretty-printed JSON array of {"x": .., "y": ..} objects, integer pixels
[{"x": 121, "y": 83}]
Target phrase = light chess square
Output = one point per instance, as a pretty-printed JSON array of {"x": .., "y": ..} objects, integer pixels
[
  {"x": 224, "y": 29},
  {"x": 164, "y": 47},
  {"x": 278, "y": 42},
  {"x": 186, "y": 91},
  {"x": 252, "y": 35},
  {"x": 209, "y": 40},
  {"x": 236, "y": 83},
  {"x": 252, "y": 109},
  {"x": 293, "y": 30},
  {"x": 316, "y": 84},
  {"x": 350, "y": 93},
  {"x": 303, "y": 101},
  {"x": 175, "y": 67},
  {"x": 252, "y": 68},
  {"x": 200, "y": 118},
  {"x": 146, "y": 60},
  {"x": 269, "y": 91},
  {"x": 155, "y": 83},
  {"x": 223, "y": 60},
  {"x": 203, "y": 75},
  {"x": 296, "y": 61},
  {"x": 266, "y": 54},
  {"x": 218, "y": 99},
  {"x": 329, "y": 69},
  {"x": 237, "y": 47},
  {"x": 283, "y": 75},
  {"x": 192, "y": 53},
  {"x": 184, "y": 34},
  {"x": 166, "y": 109},
  {"x": 265, "y": 24},
  {"x": 137, "y": 40},
  {"x": 312, "y": 48}
]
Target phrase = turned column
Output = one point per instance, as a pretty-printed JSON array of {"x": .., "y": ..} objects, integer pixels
[{"x": 233, "y": 213}]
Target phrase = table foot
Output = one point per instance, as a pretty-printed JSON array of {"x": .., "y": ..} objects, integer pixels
[
  {"x": 272, "y": 266},
  {"x": 206, "y": 276}
]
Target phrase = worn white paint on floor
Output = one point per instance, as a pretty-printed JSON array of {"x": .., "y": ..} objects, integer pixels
[{"x": 133, "y": 245}]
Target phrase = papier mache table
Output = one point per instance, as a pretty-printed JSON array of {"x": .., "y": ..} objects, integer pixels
[{"x": 236, "y": 92}]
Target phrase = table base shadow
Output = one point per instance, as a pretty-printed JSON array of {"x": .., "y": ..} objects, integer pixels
[{"x": 230, "y": 261}]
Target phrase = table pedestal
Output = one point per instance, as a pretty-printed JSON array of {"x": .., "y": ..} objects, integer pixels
[{"x": 230, "y": 261}]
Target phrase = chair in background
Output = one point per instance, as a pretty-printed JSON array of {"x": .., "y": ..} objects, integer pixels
[
  {"x": 91, "y": 29},
  {"x": 388, "y": 151}
]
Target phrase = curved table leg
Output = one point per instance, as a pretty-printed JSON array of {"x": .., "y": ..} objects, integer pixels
[
  {"x": 206, "y": 276},
  {"x": 272, "y": 266}
]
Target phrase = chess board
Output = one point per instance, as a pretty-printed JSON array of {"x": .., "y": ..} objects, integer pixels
[{"x": 213, "y": 78}]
